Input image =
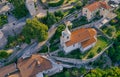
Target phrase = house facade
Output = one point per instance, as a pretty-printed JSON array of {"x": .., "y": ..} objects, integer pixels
[
  {"x": 83, "y": 38},
  {"x": 91, "y": 10}
]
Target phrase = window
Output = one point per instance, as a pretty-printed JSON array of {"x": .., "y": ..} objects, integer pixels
[{"x": 73, "y": 45}]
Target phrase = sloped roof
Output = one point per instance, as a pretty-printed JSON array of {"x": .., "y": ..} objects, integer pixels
[
  {"x": 96, "y": 5},
  {"x": 31, "y": 66},
  {"x": 7, "y": 69},
  {"x": 82, "y": 35}
]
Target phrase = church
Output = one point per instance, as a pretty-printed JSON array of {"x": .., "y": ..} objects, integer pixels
[{"x": 83, "y": 38}]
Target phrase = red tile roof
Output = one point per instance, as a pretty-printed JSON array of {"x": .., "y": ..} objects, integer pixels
[
  {"x": 31, "y": 66},
  {"x": 96, "y": 5},
  {"x": 82, "y": 35},
  {"x": 7, "y": 69}
]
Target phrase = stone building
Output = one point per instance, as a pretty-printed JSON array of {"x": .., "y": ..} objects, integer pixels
[
  {"x": 83, "y": 38},
  {"x": 91, "y": 10}
]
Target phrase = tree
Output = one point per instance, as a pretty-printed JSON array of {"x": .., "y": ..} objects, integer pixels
[
  {"x": 79, "y": 5},
  {"x": 3, "y": 54},
  {"x": 67, "y": 74},
  {"x": 49, "y": 19},
  {"x": 111, "y": 72},
  {"x": 59, "y": 14},
  {"x": 35, "y": 30}
]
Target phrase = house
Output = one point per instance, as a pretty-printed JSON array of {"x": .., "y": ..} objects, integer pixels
[
  {"x": 33, "y": 66},
  {"x": 7, "y": 70},
  {"x": 83, "y": 38},
  {"x": 91, "y": 10},
  {"x": 30, "y": 4}
]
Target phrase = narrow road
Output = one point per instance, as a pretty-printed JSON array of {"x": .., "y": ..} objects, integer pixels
[{"x": 78, "y": 61}]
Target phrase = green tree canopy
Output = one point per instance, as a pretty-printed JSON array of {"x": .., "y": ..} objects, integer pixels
[
  {"x": 35, "y": 30},
  {"x": 49, "y": 19},
  {"x": 3, "y": 54},
  {"x": 112, "y": 72}
]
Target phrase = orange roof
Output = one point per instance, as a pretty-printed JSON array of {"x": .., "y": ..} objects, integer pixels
[
  {"x": 96, "y": 5},
  {"x": 81, "y": 35},
  {"x": 7, "y": 69},
  {"x": 88, "y": 42},
  {"x": 105, "y": 5},
  {"x": 31, "y": 66}
]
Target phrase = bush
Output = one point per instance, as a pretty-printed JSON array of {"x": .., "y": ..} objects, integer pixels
[
  {"x": 3, "y": 20},
  {"x": 49, "y": 19},
  {"x": 20, "y": 11},
  {"x": 3, "y": 54}
]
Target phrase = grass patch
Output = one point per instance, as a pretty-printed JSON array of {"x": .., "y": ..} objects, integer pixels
[{"x": 100, "y": 45}]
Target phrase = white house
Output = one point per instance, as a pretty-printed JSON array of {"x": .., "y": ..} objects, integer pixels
[
  {"x": 83, "y": 38},
  {"x": 90, "y": 10}
]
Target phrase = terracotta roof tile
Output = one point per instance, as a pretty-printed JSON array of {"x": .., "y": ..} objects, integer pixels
[
  {"x": 88, "y": 42},
  {"x": 96, "y": 5},
  {"x": 81, "y": 35},
  {"x": 31, "y": 66},
  {"x": 93, "y": 6},
  {"x": 7, "y": 69}
]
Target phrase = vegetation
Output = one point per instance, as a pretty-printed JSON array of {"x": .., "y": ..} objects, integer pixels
[
  {"x": 73, "y": 72},
  {"x": 52, "y": 18},
  {"x": 3, "y": 54},
  {"x": 109, "y": 30},
  {"x": 101, "y": 44},
  {"x": 57, "y": 33},
  {"x": 20, "y": 9},
  {"x": 79, "y": 22},
  {"x": 114, "y": 51},
  {"x": 44, "y": 49},
  {"x": 34, "y": 30},
  {"x": 54, "y": 4},
  {"x": 49, "y": 19},
  {"x": 3, "y": 20},
  {"x": 112, "y": 72},
  {"x": 14, "y": 41}
]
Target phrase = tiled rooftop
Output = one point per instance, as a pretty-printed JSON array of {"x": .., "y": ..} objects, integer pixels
[
  {"x": 96, "y": 5},
  {"x": 83, "y": 35}
]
